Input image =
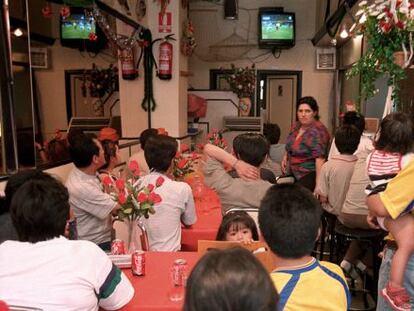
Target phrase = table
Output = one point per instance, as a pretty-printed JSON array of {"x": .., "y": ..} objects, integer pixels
[
  {"x": 208, "y": 221},
  {"x": 151, "y": 290}
]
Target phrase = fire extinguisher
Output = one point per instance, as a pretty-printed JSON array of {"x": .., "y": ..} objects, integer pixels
[
  {"x": 165, "y": 59},
  {"x": 128, "y": 68}
]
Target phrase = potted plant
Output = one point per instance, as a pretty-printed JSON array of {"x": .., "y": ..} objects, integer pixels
[
  {"x": 242, "y": 81},
  {"x": 387, "y": 26}
]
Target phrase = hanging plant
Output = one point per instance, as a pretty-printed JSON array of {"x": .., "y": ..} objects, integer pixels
[{"x": 388, "y": 27}]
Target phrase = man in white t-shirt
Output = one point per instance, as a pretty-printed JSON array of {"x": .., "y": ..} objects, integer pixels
[
  {"x": 45, "y": 270},
  {"x": 139, "y": 156},
  {"x": 91, "y": 205},
  {"x": 177, "y": 205}
]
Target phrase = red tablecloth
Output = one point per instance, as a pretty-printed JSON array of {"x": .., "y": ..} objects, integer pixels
[
  {"x": 208, "y": 221},
  {"x": 151, "y": 290}
]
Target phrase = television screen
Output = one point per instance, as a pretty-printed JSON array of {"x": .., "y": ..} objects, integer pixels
[
  {"x": 277, "y": 26},
  {"x": 77, "y": 26}
]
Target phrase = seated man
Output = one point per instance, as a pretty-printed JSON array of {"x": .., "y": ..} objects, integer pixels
[
  {"x": 245, "y": 192},
  {"x": 335, "y": 175},
  {"x": 177, "y": 205},
  {"x": 289, "y": 219},
  {"x": 253, "y": 149},
  {"x": 92, "y": 206},
  {"x": 45, "y": 270},
  {"x": 139, "y": 156}
]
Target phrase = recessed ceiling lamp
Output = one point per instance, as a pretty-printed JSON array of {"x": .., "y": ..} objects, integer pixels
[{"x": 18, "y": 32}]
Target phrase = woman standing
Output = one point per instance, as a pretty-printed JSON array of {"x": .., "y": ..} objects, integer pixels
[{"x": 306, "y": 145}]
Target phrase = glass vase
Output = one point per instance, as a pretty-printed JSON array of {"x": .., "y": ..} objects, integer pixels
[{"x": 137, "y": 236}]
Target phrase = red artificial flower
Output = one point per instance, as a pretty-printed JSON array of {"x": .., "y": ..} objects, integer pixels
[
  {"x": 142, "y": 197},
  {"x": 47, "y": 11},
  {"x": 65, "y": 11},
  {"x": 155, "y": 198},
  {"x": 106, "y": 180},
  {"x": 92, "y": 36},
  {"x": 121, "y": 198},
  {"x": 209, "y": 135},
  {"x": 177, "y": 154},
  {"x": 399, "y": 24},
  {"x": 182, "y": 163},
  {"x": 200, "y": 146},
  {"x": 159, "y": 181},
  {"x": 194, "y": 156},
  {"x": 216, "y": 141},
  {"x": 411, "y": 5},
  {"x": 150, "y": 187},
  {"x": 184, "y": 147},
  {"x": 120, "y": 184},
  {"x": 134, "y": 167}
]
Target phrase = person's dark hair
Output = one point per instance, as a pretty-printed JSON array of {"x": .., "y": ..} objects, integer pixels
[
  {"x": 82, "y": 148},
  {"x": 109, "y": 148},
  {"x": 272, "y": 132},
  {"x": 252, "y": 148},
  {"x": 25, "y": 149},
  {"x": 145, "y": 134},
  {"x": 289, "y": 218},
  {"x": 14, "y": 183},
  {"x": 39, "y": 209},
  {"x": 356, "y": 119},
  {"x": 239, "y": 219},
  {"x": 311, "y": 102},
  {"x": 231, "y": 279},
  {"x": 57, "y": 150},
  {"x": 396, "y": 133},
  {"x": 159, "y": 152},
  {"x": 347, "y": 139}
]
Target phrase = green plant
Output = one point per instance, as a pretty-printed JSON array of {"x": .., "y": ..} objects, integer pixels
[{"x": 388, "y": 30}]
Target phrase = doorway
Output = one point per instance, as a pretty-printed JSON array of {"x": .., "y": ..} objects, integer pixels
[{"x": 277, "y": 96}]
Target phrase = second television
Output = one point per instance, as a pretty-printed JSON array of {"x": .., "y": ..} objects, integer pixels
[{"x": 276, "y": 28}]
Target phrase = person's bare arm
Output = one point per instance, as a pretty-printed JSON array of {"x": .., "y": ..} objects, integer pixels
[
  {"x": 283, "y": 164},
  {"x": 245, "y": 171},
  {"x": 376, "y": 207},
  {"x": 318, "y": 166}
]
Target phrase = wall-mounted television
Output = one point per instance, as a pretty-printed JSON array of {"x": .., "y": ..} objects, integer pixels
[
  {"x": 276, "y": 28},
  {"x": 75, "y": 30}
]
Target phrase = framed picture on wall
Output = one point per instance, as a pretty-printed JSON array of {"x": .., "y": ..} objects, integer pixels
[{"x": 218, "y": 81}]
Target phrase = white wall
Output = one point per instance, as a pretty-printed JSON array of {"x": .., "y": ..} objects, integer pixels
[{"x": 211, "y": 28}]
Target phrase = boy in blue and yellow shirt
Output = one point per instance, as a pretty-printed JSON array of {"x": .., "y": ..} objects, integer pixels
[{"x": 289, "y": 219}]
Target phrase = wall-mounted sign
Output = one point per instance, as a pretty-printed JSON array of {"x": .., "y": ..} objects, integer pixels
[{"x": 165, "y": 22}]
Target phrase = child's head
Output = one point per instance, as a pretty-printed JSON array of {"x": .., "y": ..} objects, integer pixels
[
  {"x": 356, "y": 119},
  {"x": 252, "y": 148},
  {"x": 272, "y": 132},
  {"x": 145, "y": 135},
  {"x": 159, "y": 152},
  {"x": 237, "y": 226},
  {"x": 396, "y": 133},
  {"x": 289, "y": 218},
  {"x": 111, "y": 151},
  {"x": 347, "y": 139}
]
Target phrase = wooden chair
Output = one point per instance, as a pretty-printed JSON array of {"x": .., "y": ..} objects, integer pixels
[{"x": 259, "y": 249}]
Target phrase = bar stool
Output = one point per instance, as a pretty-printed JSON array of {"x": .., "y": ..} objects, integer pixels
[
  {"x": 374, "y": 238},
  {"x": 327, "y": 226}
]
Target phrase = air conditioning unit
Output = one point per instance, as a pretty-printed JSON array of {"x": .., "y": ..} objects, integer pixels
[
  {"x": 94, "y": 124},
  {"x": 326, "y": 58},
  {"x": 243, "y": 123}
]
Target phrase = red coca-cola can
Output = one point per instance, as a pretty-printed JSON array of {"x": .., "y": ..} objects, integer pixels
[
  {"x": 179, "y": 272},
  {"x": 118, "y": 247},
  {"x": 138, "y": 263}
]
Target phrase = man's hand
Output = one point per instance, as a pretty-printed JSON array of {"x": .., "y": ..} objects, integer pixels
[{"x": 246, "y": 171}]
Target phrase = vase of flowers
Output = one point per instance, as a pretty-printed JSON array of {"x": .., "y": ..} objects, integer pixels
[
  {"x": 136, "y": 201},
  {"x": 242, "y": 81},
  {"x": 387, "y": 26},
  {"x": 183, "y": 162},
  {"x": 215, "y": 137}
]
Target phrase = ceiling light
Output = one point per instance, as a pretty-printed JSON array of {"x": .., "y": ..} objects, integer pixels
[
  {"x": 18, "y": 32},
  {"x": 344, "y": 33}
]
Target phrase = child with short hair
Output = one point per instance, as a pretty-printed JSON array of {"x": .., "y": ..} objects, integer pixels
[
  {"x": 237, "y": 226},
  {"x": 392, "y": 153},
  {"x": 289, "y": 219}
]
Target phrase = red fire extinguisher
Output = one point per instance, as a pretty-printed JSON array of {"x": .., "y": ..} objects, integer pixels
[
  {"x": 128, "y": 68},
  {"x": 165, "y": 59}
]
